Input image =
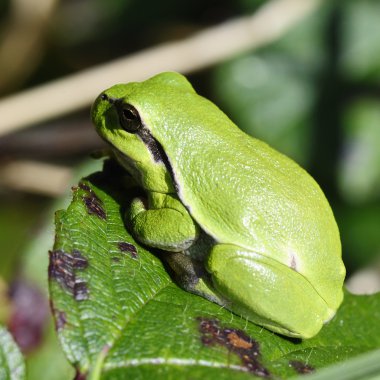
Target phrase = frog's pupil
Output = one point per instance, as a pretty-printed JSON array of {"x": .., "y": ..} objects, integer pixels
[{"x": 129, "y": 115}]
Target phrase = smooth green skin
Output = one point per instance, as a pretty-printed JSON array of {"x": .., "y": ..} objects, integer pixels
[{"x": 275, "y": 257}]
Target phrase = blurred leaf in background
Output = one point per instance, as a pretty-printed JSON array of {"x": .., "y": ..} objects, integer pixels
[
  {"x": 271, "y": 93},
  {"x": 360, "y": 59}
]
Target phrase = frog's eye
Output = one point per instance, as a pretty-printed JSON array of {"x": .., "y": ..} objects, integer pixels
[{"x": 129, "y": 118}]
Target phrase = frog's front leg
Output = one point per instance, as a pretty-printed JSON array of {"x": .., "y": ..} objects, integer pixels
[
  {"x": 162, "y": 222},
  {"x": 267, "y": 292}
]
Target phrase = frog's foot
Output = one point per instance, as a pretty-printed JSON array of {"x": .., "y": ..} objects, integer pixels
[
  {"x": 164, "y": 228},
  {"x": 267, "y": 292}
]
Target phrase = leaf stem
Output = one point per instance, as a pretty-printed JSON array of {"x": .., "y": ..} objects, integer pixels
[{"x": 97, "y": 369}]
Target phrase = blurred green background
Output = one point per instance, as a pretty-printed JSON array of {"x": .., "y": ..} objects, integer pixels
[{"x": 314, "y": 94}]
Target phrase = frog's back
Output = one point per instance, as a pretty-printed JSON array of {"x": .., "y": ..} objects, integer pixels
[{"x": 243, "y": 192}]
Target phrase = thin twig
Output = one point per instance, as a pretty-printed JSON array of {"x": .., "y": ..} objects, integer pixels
[
  {"x": 35, "y": 177},
  {"x": 198, "y": 51}
]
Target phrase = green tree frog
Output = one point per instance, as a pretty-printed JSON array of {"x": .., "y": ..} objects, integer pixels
[{"x": 241, "y": 224}]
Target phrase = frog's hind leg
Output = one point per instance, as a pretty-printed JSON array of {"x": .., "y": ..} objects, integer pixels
[
  {"x": 190, "y": 274},
  {"x": 266, "y": 291}
]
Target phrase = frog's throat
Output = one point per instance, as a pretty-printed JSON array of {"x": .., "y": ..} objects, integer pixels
[{"x": 157, "y": 152}]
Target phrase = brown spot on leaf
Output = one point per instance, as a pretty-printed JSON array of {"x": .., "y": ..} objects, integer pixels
[
  {"x": 301, "y": 367},
  {"x": 59, "y": 317},
  {"x": 30, "y": 311},
  {"x": 236, "y": 341},
  {"x": 93, "y": 203},
  {"x": 60, "y": 320},
  {"x": 128, "y": 247},
  {"x": 79, "y": 262},
  {"x": 63, "y": 267},
  {"x": 94, "y": 207},
  {"x": 85, "y": 187},
  {"x": 80, "y": 291}
]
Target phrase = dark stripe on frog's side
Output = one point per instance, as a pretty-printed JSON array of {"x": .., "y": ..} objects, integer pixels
[
  {"x": 156, "y": 151},
  {"x": 153, "y": 146}
]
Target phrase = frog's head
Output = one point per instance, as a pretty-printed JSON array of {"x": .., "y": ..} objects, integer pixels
[{"x": 126, "y": 116}]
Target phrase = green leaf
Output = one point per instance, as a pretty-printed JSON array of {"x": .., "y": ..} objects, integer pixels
[
  {"x": 11, "y": 361},
  {"x": 360, "y": 57},
  {"x": 364, "y": 367},
  {"x": 119, "y": 314},
  {"x": 268, "y": 97},
  {"x": 359, "y": 176}
]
